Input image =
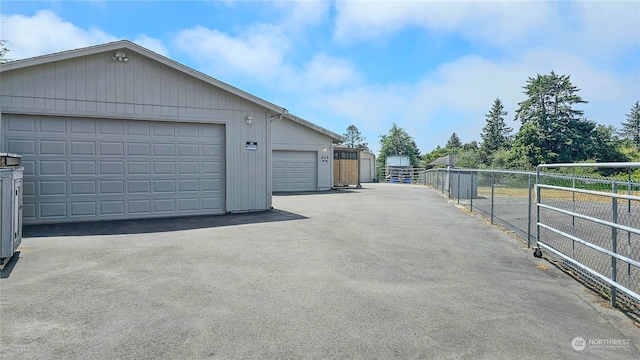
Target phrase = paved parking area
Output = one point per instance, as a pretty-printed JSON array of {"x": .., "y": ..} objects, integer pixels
[{"x": 388, "y": 271}]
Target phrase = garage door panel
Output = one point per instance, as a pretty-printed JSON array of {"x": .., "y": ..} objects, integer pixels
[
  {"x": 52, "y": 147},
  {"x": 139, "y": 128},
  {"x": 188, "y": 130},
  {"x": 83, "y": 187},
  {"x": 139, "y": 206},
  {"x": 52, "y": 167},
  {"x": 138, "y": 168},
  {"x": 294, "y": 171},
  {"x": 163, "y": 168},
  {"x": 112, "y": 207},
  {"x": 111, "y": 187},
  {"x": 164, "y": 149},
  {"x": 50, "y": 187},
  {"x": 22, "y": 146},
  {"x": 52, "y": 126},
  {"x": 111, "y": 167},
  {"x": 92, "y": 169},
  {"x": 83, "y": 208},
  {"x": 164, "y": 205},
  {"x": 111, "y": 148},
  {"x": 53, "y": 210},
  {"x": 82, "y": 148},
  {"x": 24, "y": 124},
  {"x": 188, "y": 149},
  {"x": 84, "y": 126},
  {"x": 211, "y": 185},
  {"x": 188, "y": 168},
  {"x": 114, "y": 127},
  {"x": 209, "y": 203},
  {"x": 188, "y": 204},
  {"x": 138, "y": 187}
]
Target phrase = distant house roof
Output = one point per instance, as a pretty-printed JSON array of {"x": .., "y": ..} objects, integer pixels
[{"x": 448, "y": 160}]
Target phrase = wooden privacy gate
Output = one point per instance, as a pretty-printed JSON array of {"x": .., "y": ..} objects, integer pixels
[{"x": 345, "y": 167}]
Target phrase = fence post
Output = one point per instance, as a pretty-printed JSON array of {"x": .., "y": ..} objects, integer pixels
[
  {"x": 529, "y": 217},
  {"x": 614, "y": 242},
  {"x": 472, "y": 184},
  {"x": 629, "y": 225},
  {"x": 492, "y": 190},
  {"x": 573, "y": 210},
  {"x": 538, "y": 201},
  {"x": 458, "y": 189}
]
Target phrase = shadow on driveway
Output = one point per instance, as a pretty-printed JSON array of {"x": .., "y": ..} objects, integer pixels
[
  {"x": 336, "y": 191},
  {"x": 142, "y": 226}
]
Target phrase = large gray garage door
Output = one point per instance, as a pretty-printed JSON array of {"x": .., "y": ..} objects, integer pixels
[
  {"x": 295, "y": 171},
  {"x": 95, "y": 169}
]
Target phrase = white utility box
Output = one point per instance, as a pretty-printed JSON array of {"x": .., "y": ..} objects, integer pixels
[{"x": 10, "y": 205}]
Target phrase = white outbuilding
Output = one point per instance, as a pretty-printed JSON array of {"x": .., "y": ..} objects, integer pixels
[{"x": 116, "y": 131}]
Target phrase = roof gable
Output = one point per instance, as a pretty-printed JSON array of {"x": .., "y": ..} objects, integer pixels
[{"x": 128, "y": 46}]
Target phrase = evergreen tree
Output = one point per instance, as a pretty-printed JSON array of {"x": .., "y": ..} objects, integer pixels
[
  {"x": 454, "y": 142},
  {"x": 354, "y": 139},
  {"x": 631, "y": 128},
  {"x": 549, "y": 108},
  {"x": 527, "y": 151},
  {"x": 496, "y": 134}
]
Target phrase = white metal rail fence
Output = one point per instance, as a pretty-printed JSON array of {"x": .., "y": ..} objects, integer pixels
[{"x": 588, "y": 225}]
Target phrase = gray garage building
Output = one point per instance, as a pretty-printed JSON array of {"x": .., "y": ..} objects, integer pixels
[{"x": 117, "y": 131}]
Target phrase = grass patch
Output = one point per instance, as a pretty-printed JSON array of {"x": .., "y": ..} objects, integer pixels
[{"x": 542, "y": 267}]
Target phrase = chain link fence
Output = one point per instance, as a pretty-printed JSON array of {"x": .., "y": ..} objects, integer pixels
[{"x": 588, "y": 225}]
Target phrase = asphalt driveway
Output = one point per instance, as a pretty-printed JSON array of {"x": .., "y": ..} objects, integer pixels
[{"x": 388, "y": 271}]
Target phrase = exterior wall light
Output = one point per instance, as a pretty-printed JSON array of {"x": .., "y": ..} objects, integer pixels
[
  {"x": 249, "y": 120},
  {"x": 120, "y": 56}
]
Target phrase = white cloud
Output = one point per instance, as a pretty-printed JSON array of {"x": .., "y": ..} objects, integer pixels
[
  {"x": 327, "y": 72},
  {"x": 606, "y": 27},
  {"x": 258, "y": 52},
  {"x": 494, "y": 22},
  {"x": 297, "y": 15},
  {"x": 261, "y": 52},
  {"x": 45, "y": 33}
]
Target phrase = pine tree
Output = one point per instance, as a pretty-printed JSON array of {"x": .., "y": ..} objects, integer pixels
[
  {"x": 454, "y": 142},
  {"x": 496, "y": 134},
  {"x": 549, "y": 107},
  {"x": 631, "y": 128},
  {"x": 354, "y": 139}
]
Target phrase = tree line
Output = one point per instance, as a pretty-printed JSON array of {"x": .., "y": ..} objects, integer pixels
[{"x": 553, "y": 129}]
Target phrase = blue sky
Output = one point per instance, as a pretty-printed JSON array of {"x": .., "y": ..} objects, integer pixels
[{"x": 432, "y": 67}]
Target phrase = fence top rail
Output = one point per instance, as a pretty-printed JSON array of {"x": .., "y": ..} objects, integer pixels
[
  {"x": 589, "y": 179},
  {"x": 591, "y": 192},
  {"x": 542, "y": 174},
  {"x": 519, "y": 172},
  {"x": 597, "y": 165}
]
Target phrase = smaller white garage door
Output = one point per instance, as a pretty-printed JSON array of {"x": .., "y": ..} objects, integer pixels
[
  {"x": 365, "y": 170},
  {"x": 295, "y": 171}
]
